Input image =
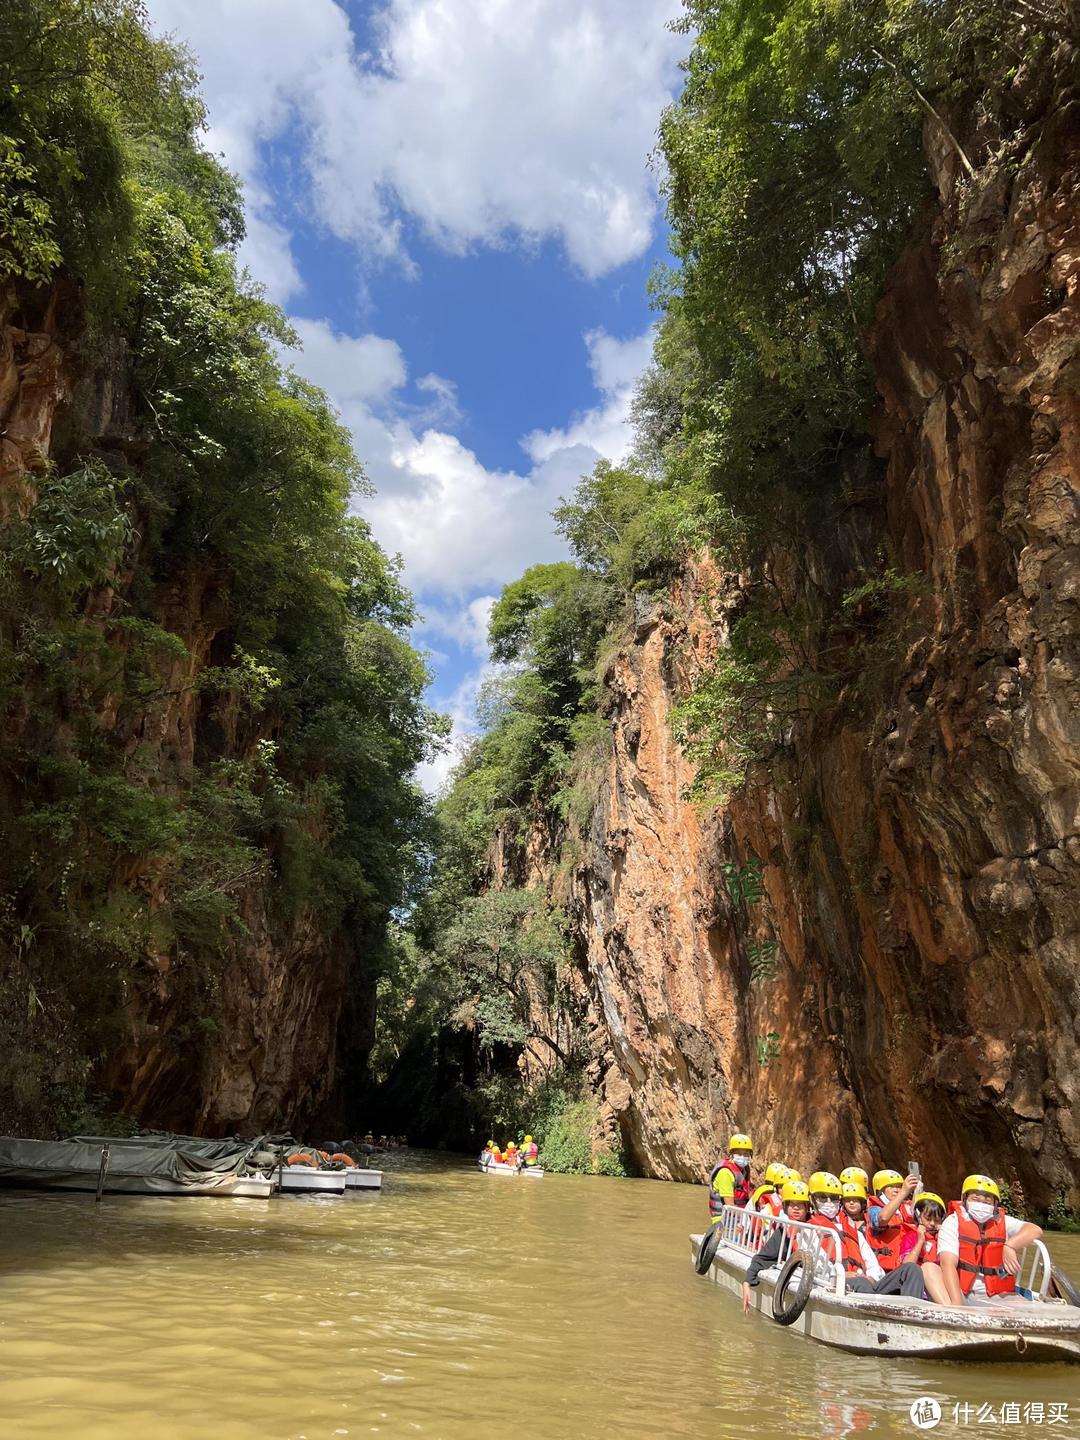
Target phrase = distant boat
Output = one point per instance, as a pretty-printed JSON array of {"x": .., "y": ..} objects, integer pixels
[
  {"x": 493, "y": 1167},
  {"x": 131, "y": 1168}
]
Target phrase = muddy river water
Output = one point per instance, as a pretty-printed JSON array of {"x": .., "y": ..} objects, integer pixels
[{"x": 452, "y": 1305}]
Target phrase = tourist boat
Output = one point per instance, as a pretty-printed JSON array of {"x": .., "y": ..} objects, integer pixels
[
  {"x": 493, "y": 1167},
  {"x": 296, "y": 1179},
  {"x": 1044, "y": 1328},
  {"x": 126, "y": 1167},
  {"x": 360, "y": 1178}
]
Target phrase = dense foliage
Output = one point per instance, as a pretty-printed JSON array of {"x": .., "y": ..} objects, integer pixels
[{"x": 198, "y": 572}]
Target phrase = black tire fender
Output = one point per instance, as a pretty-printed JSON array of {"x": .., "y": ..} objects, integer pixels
[
  {"x": 707, "y": 1252},
  {"x": 785, "y": 1310},
  {"x": 1063, "y": 1286}
]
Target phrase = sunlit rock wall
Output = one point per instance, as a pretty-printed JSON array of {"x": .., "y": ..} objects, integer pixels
[{"x": 921, "y": 864}]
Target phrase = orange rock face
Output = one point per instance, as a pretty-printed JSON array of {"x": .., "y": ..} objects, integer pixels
[{"x": 920, "y": 864}]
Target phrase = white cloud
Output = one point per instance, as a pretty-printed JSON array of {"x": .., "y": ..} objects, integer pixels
[
  {"x": 460, "y": 526},
  {"x": 432, "y": 775},
  {"x": 351, "y": 369},
  {"x": 266, "y": 250},
  {"x": 483, "y": 121},
  {"x": 616, "y": 366},
  {"x": 466, "y": 624}
]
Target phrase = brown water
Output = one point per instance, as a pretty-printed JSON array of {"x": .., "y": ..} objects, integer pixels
[{"x": 453, "y": 1304}]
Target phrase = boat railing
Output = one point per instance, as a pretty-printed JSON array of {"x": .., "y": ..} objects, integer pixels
[
  {"x": 746, "y": 1230},
  {"x": 1035, "y": 1268}
]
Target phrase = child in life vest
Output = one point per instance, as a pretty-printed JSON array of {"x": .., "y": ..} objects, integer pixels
[{"x": 920, "y": 1244}]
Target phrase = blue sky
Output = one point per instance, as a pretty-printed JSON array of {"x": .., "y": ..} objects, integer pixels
[{"x": 452, "y": 200}]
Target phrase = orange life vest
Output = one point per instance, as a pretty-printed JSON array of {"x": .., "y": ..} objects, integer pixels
[
  {"x": 981, "y": 1253},
  {"x": 929, "y": 1251},
  {"x": 741, "y": 1193},
  {"x": 770, "y": 1204},
  {"x": 885, "y": 1240},
  {"x": 850, "y": 1253}
]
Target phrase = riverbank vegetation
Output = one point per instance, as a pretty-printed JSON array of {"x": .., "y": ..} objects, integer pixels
[{"x": 209, "y": 709}]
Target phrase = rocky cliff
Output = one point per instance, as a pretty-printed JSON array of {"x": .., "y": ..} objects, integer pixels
[
  {"x": 238, "y": 1039},
  {"x": 907, "y": 982}
]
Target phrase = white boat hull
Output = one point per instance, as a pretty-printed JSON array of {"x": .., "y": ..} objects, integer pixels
[
  {"x": 254, "y": 1187},
  {"x": 895, "y": 1325},
  {"x": 360, "y": 1179},
  {"x": 306, "y": 1179},
  {"x": 531, "y": 1172}
]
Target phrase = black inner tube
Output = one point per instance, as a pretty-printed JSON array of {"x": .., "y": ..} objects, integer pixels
[
  {"x": 786, "y": 1311},
  {"x": 707, "y": 1251},
  {"x": 1064, "y": 1286}
]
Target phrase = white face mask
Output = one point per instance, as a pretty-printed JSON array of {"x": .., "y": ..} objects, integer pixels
[
  {"x": 741, "y": 1160},
  {"x": 829, "y": 1208},
  {"x": 980, "y": 1210}
]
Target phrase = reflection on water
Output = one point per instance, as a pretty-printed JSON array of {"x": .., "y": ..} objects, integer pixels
[{"x": 451, "y": 1305}]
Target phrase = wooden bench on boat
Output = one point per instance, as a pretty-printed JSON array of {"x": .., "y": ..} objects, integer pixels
[{"x": 1043, "y": 1328}]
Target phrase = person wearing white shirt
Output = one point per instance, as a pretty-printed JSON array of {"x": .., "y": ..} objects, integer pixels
[{"x": 977, "y": 1245}]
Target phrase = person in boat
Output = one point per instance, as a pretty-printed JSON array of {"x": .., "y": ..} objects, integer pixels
[
  {"x": 863, "y": 1273},
  {"x": 511, "y": 1156},
  {"x": 766, "y": 1199},
  {"x": 795, "y": 1199},
  {"x": 977, "y": 1245},
  {"x": 729, "y": 1182},
  {"x": 920, "y": 1245},
  {"x": 855, "y": 1172},
  {"x": 531, "y": 1151},
  {"x": 496, "y": 1154},
  {"x": 888, "y": 1215},
  {"x": 853, "y": 1206}
]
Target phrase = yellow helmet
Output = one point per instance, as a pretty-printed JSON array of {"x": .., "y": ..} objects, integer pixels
[
  {"x": 797, "y": 1190},
  {"x": 491, "y": 1145},
  {"x": 854, "y": 1173},
  {"x": 981, "y": 1182},
  {"x": 740, "y": 1142},
  {"x": 852, "y": 1190},
  {"x": 776, "y": 1173},
  {"x": 886, "y": 1177},
  {"x": 823, "y": 1182},
  {"x": 793, "y": 1174},
  {"x": 510, "y": 1145},
  {"x": 528, "y": 1139},
  {"x": 925, "y": 1195}
]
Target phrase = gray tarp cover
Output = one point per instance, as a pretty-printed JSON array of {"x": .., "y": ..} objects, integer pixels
[
  {"x": 74, "y": 1165},
  {"x": 225, "y": 1150}
]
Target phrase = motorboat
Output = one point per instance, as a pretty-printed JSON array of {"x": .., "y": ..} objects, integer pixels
[
  {"x": 806, "y": 1289},
  {"x": 360, "y": 1178},
  {"x": 127, "y": 1167},
  {"x": 496, "y": 1167},
  {"x": 309, "y": 1179}
]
